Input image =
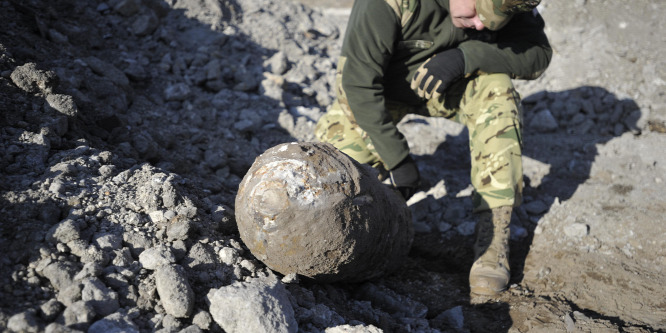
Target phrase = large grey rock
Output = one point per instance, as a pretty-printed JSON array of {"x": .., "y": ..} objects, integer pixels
[
  {"x": 174, "y": 290},
  {"x": 309, "y": 209},
  {"x": 259, "y": 305}
]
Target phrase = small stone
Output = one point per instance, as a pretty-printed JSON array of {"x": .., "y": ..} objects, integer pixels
[
  {"x": 157, "y": 216},
  {"x": 203, "y": 320},
  {"x": 191, "y": 329},
  {"x": 278, "y": 63},
  {"x": 65, "y": 231},
  {"x": 170, "y": 322},
  {"x": 78, "y": 315},
  {"x": 213, "y": 70},
  {"x": 24, "y": 322},
  {"x": 50, "y": 310},
  {"x": 137, "y": 242},
  {"x": 272, "y": 86},
  {"x": 536, "y": 207},
  {"x": 114, "y": 323},
  {"x": 174, "y": 290},
  {"x": 57, "y": 187},
  {"x": 444, "y": 227},
  {"x": 157, "y": 256},
  {"x": 215, "y": 158},
  {"x": 70, "y": 295},
  {"x": 353, "y": 329},
  {"x": 127, "y": 7},
  {"x": 31, "y": 79},
  {"x": 179, "y": 230},
  {"x": 229, "y": 256},
  {"x": 518, "y": 232},
  {"x": 102, "y": 299},
  {"x": 106, "y": 171},
  {"x": 102, "y": 7},
  {"x": 108, "y": 71},
  {"x": 108, "y": 241},
  {"x": 177, "y": 92},
  {"x": 200, "y": 256},
  {"x": 466, "y": 228},
  {"x": 290, "y": 278},
  {"x": 93, "y": 253},
  {"x": 122, "y": 257},
  {"x": 60, "y": 274},
  {"x": 62, "y": 103},
  {"x": 249, "y": 265},
  {"x": 60, "y": 328},
  {"x": 179, "y": 249},
  {"x": 544, "y": 121},
  {"x": 145, "y": 24}
]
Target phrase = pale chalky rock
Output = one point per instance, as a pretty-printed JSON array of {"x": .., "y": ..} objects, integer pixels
[
  {"x": 309, "y": 209},
  {"x": 259, "y": 305}
]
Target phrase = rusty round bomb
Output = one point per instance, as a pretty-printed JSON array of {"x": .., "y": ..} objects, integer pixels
[{"x": 309, "y": 209}]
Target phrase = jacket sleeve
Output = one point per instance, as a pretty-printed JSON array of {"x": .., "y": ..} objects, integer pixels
[
  {"x": 368, "y": 46},
  {"x": 521, "y": 49}
]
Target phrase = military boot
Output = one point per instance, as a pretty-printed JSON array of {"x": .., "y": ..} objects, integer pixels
[{"x": 490, "y": 272}]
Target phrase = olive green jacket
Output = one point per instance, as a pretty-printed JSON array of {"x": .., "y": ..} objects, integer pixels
[{"x": 387, "y": 40}]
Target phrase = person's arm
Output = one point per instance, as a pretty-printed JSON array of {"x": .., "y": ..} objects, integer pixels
[
  {"x": 368, "y": 46},
  {"x": 521, "y": 50}
]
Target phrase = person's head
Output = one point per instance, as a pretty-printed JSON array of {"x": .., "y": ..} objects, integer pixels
[
  {"x": 490, "y": 14},
  {"x": 464, "y": 15}
]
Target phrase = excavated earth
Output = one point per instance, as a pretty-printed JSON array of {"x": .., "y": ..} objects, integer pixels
[{"x": 127, "y": 126}]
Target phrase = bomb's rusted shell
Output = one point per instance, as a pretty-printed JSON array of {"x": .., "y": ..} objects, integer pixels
[{"x": 309, "y": 209}]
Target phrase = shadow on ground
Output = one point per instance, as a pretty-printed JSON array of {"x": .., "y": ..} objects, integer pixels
[{"x": 559, "y": 159}]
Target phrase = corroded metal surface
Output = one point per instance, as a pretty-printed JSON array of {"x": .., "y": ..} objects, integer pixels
[{"x": 309, "y": 209}]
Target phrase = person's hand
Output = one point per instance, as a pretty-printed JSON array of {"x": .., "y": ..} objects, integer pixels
[
  {"x": 405, "y": 177},
  {"x": 464, "y": 15},
  {"x": 437, "y": 73}
]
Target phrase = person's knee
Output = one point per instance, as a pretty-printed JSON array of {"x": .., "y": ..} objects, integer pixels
[{"x": 335, "y": 127}]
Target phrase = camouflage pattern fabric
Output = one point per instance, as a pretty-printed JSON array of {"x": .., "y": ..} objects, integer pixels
[
  {"x": 496, "y": 13},
  {"x": 488, "y": 105}
]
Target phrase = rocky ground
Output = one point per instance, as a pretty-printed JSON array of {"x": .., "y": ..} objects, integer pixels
[{"x": 127, "y": 126}]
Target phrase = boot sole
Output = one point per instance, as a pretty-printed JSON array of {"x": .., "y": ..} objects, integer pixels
[{"x": 482, "y": 291}]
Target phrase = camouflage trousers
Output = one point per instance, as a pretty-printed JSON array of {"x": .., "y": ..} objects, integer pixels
[{"x": 488, "y": 105}]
